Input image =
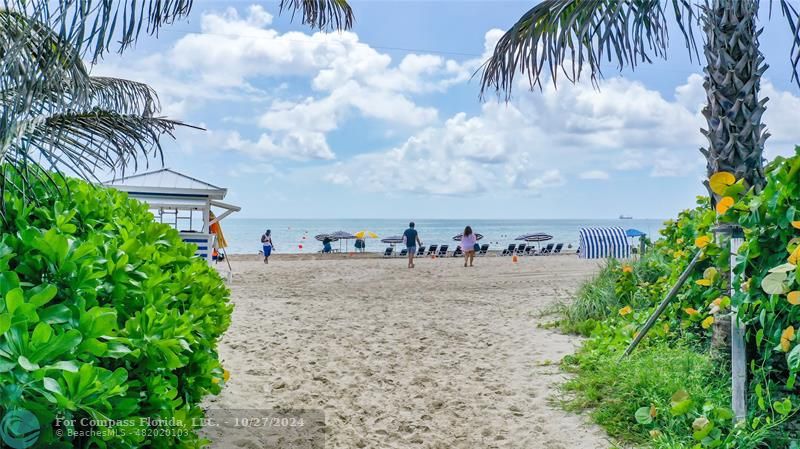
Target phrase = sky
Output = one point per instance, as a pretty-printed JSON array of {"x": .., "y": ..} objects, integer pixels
[{"x": 385, "y": 120}]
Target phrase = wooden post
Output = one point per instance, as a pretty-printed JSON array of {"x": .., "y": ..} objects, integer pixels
[{"x": 738, "y": 349}]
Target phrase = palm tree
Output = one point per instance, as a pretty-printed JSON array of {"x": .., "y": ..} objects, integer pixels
[
  {"x": 54, "y": 114},
  {"x": 566, "y": 37}
]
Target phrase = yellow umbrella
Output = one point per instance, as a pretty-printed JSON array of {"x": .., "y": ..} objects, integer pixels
[{"x": 365, "y": 234}]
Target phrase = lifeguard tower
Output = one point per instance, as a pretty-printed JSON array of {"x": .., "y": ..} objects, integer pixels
[{"x": 184, "y": 203}]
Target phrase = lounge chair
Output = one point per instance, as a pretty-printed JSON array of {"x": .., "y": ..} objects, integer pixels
[
  {"x": 557, "y": 249},
  {"x": 545, "y": 251},
  {"x": 388, "y": 252},
  {"x": 484, "y": 249},
  {"x": 403, "y": 252},
  {"x": 442, "y": 251},
  {"x": 530, "y": 250},
  {"x": 432, "y": 250},
  {"x": 458, "y": 252},
  {"x": 510, "y": 250},
  {"x": 521, "y": 249},
  {"x": 421, "y": 251}
]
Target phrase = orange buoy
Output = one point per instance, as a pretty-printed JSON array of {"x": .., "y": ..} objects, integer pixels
[{"x": 514, "y": 259}]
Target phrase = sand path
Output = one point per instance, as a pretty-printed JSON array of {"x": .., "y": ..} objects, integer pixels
[{"x": 437, "y": 357}]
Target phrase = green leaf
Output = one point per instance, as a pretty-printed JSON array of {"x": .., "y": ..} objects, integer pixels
[
  {"x": 783, "y": 407},
  {"x": 43, "y": 294},
  {"x": 14, "y": 299},
  {"x": 55, "y": 314},
  {"x": 26, "y": 364},
  {"x": 793, "y": 358},
  {"x": 5, "y": 322},
  {"x": 642, "y": 415},
  {"x": 785, "y": 268},
  {"x": 774, "y": 283},
  {"x": 41, "y": 334}
]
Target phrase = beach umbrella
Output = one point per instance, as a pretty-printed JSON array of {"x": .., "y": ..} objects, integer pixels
[
  {"x": 341, "y": 235},
  {"x": 634, "y": 233},
  {"x": 537, "y": 237},
  {"x": 366, "y": 235},
  {"x": 322, "y": 237},
  {"x": 393, "y": 240},
  {"x": 458, "y": 237}
]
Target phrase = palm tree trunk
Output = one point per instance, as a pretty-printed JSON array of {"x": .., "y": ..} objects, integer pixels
[{"x": 732, "y": 81}]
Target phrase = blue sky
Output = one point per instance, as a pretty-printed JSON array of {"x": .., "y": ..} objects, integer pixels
[{"x": 385, "y": 121}]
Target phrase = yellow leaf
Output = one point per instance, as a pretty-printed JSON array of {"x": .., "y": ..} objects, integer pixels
[
  {"x": 226, "y": 375},
  {"x": 717, "y": 302},
  {"x": 724, "y": 204},
  {"x": 625, "y": 310},
  {"x": 653, "y": 411},
  {"x": 786, "y": 337},
  {"x": 793, "y": 258},
  {"x": 707, "y": 322},
  {"x": 690, "y": 311},
  {"x": 793, "y": 298},
  {"x": 702, "y": 241},
  {"x": 720, "y": 181},
  {"x": 796, "y": 224},
  {"x": 703, "y": 282},
  {"x": 655, "y": 434}
]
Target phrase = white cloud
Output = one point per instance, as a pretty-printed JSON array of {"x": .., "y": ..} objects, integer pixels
[
  {"x": 540, "y": 140},
  {"x": 298, "y": 145},
  {"x": 594, "y": 174}
]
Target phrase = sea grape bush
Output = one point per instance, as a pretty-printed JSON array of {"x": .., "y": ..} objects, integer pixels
[
  {"x": 767, "y": 298},
  {"x": 105, "y": 315}
]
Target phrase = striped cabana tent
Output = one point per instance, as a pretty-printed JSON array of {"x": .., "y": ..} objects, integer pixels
[{"x": 598, "y": 243}]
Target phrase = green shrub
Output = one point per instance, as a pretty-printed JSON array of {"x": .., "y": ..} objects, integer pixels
[{"x": 105, "y": 314}]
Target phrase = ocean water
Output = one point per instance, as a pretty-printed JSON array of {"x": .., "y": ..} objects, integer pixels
[{"x": 297, "y": 235}]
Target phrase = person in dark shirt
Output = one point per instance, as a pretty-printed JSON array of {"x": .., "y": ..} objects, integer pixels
[{"x": 411, "y": 239}]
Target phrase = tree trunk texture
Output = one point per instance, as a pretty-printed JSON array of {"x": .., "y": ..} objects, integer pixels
[{"x": 733, "y": 73}]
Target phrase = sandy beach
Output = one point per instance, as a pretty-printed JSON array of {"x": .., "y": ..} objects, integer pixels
[{"x": 441, "y": 356}]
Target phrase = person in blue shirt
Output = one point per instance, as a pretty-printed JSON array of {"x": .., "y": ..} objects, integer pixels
[{"x": 411, "y": 239}]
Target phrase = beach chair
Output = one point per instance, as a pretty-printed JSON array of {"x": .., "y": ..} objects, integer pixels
[
  {"x": 421, "y": 251},
  {"x": 557, "y": 249},
  {"x": 442, "y": 251},
  {"x": 530, "y": 250},
  {"x": 388, "y": 252},
  {"x": 546, "y": 250},
  {"x": 432, "y": 250},
  {"x": 403, "y": 252},
  {"x": 484, "y": 249},
  {"x": 510, "y": 250},
  {"x": 521, "y": 249},
  {"x": 458, "y": 252}
]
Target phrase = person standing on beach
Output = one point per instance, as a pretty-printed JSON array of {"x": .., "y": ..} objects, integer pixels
[
  {"x": 266, "y": 242},
  {"x": 411, "y": 239},
  {"x": 468, "y": 243}
]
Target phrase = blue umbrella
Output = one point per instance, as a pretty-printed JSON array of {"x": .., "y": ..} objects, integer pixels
[
  {"x": 393, "y": 239},
  {"x": 634, "y": 233}
]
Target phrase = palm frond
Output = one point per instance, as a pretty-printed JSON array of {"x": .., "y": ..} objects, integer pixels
[
  {"x": 321, "y": 14},
  {"x": 95, "y": 26},
  {"x": 565, "y": 36},
  {"x": 793, "y": 18},
  {"x": 86, "y": 142}
]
